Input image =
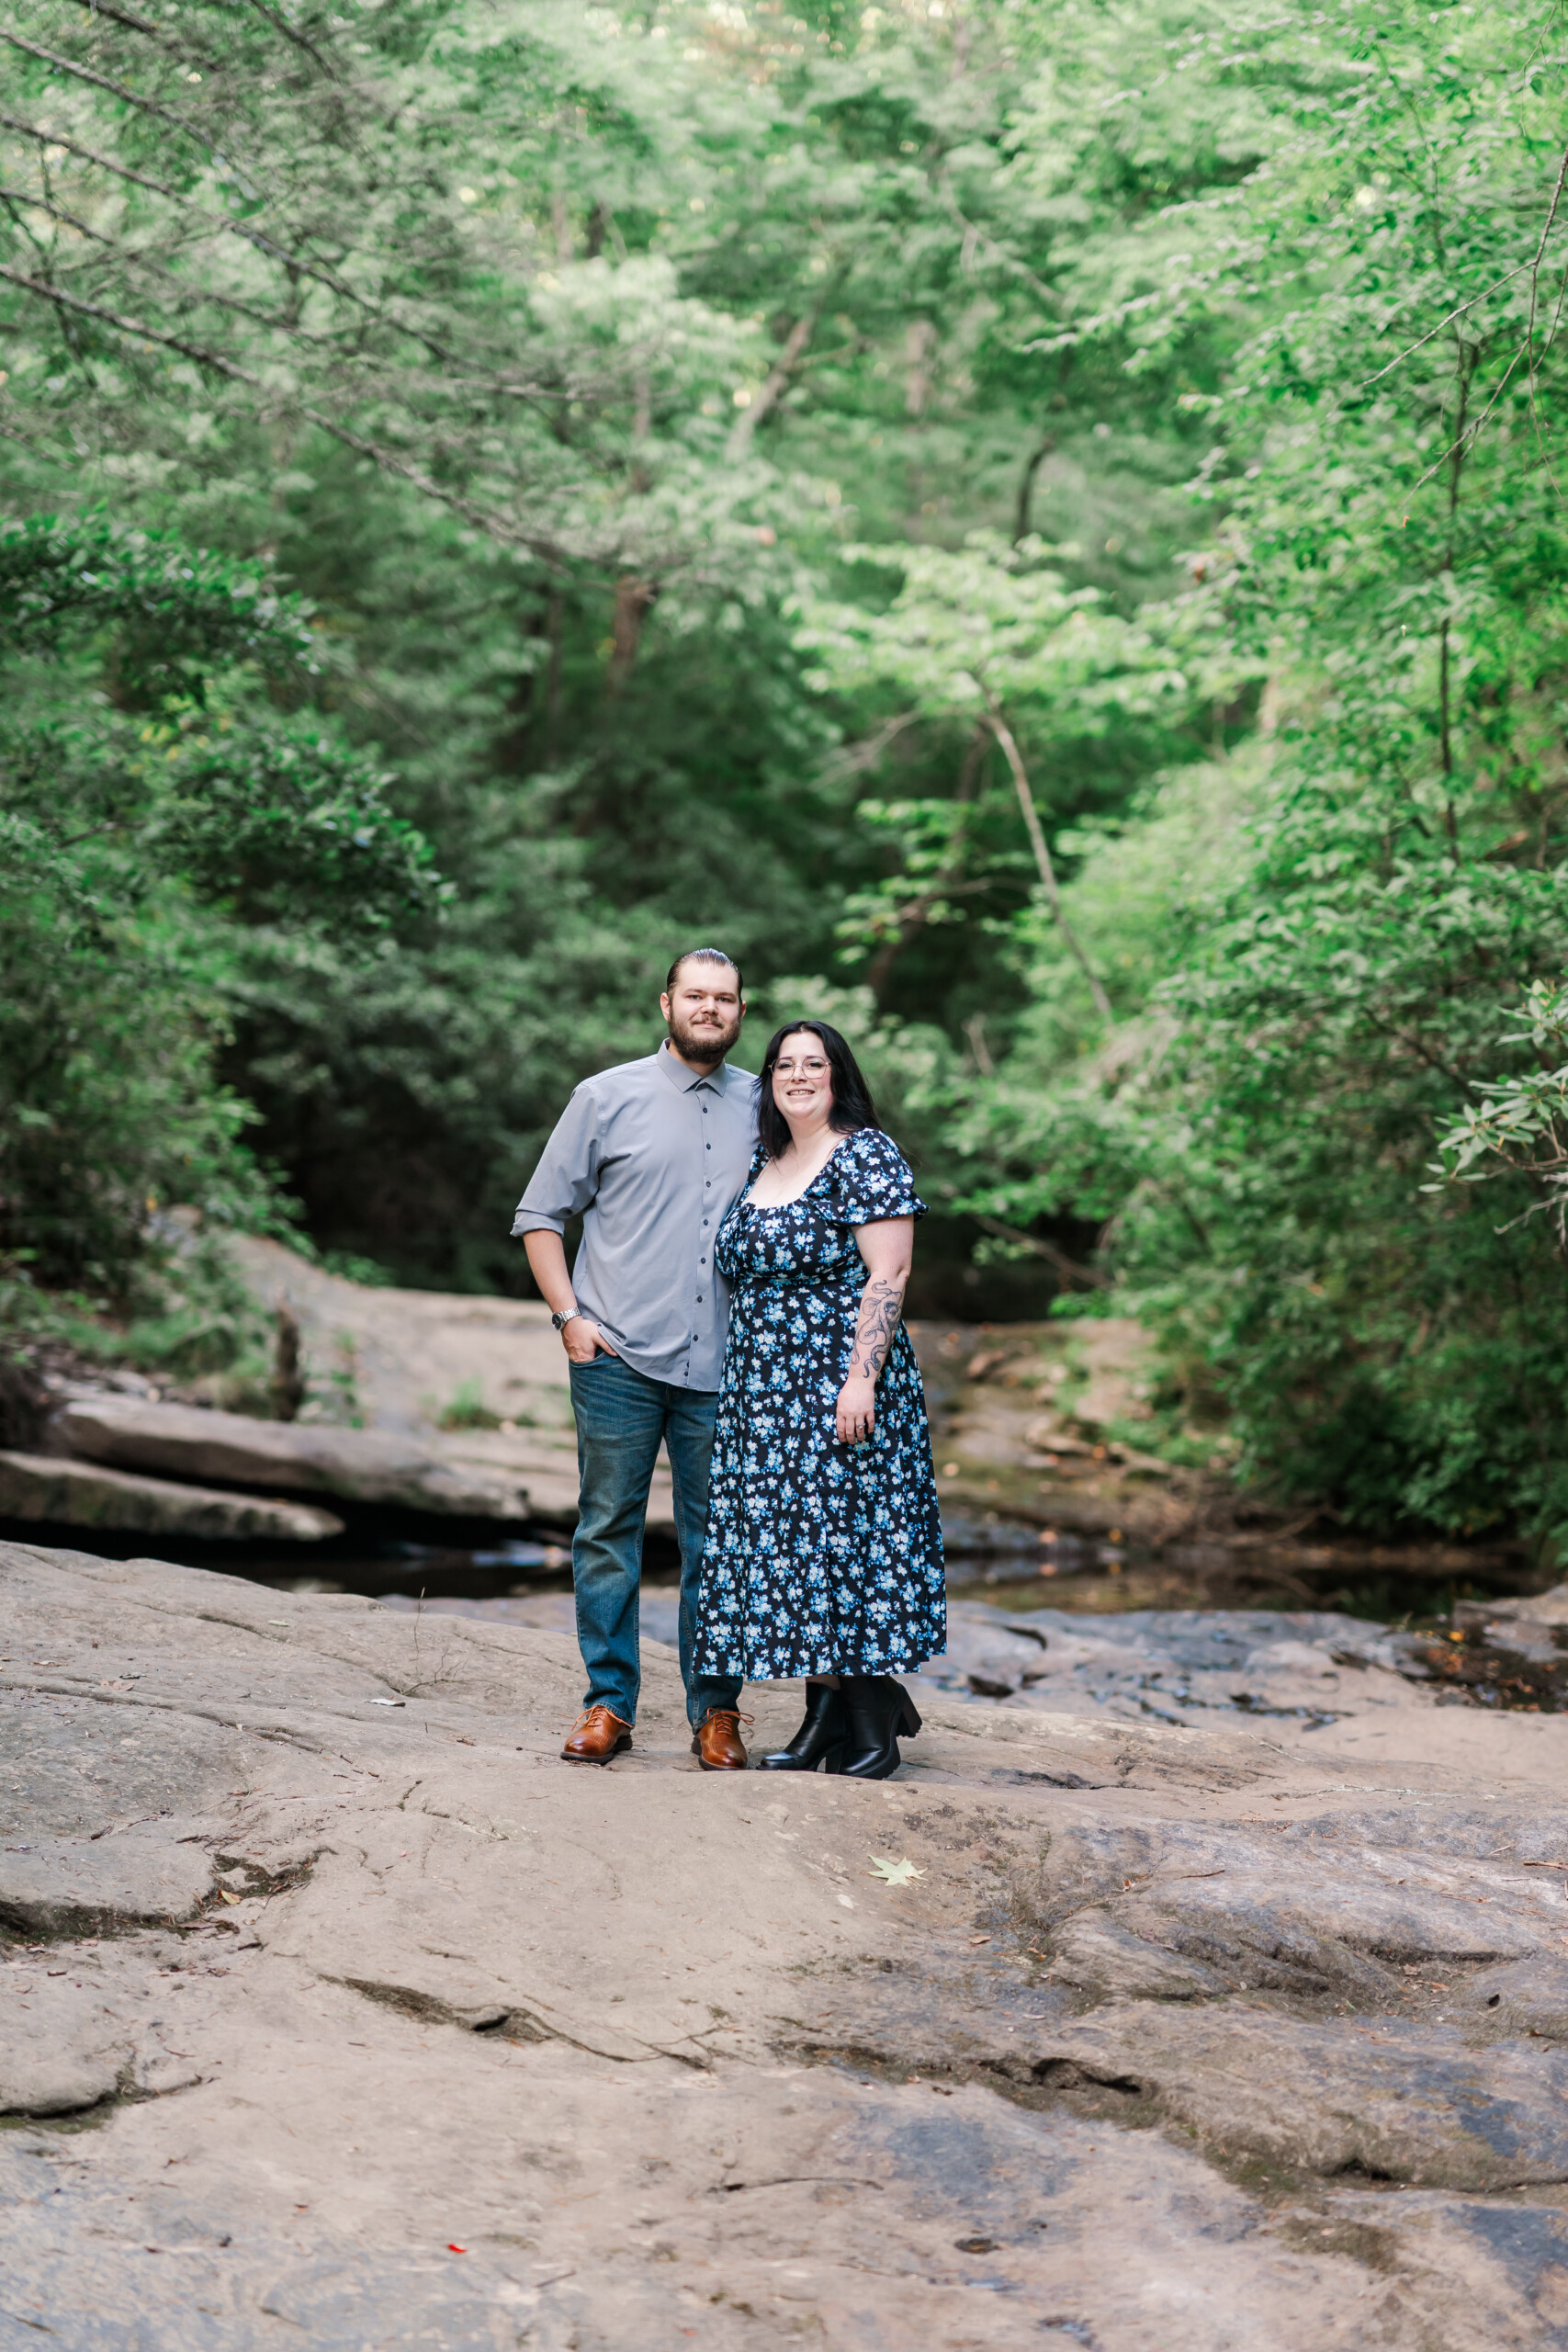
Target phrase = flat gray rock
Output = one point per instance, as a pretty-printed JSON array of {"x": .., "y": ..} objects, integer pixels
[
  {"x": 88, "y": 1494},
  {"x": 347, "y": 2012},
  {"x": 1097, "y": 1955},
  {"x": 1544, "y": 1609},
  {"x": 58, "y": 1886},
  {"x": 361, "y": 1465},
  {"x": 61, "y": 2050},
  {"x": 1301, "y": 1907},
  {"x": 1524, "y": 1996},
  {"x": 1381, "y": 2098},
  {"x": 1308, "y": 1666}
]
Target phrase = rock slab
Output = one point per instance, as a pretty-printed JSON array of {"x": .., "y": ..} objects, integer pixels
[
  {"x": 1381, "y": 2098},
  {"x": 88, "y": 1494},
  {"x": 61, "y": 2050},
  {"x": 57, "y": 1886},
  {"x": 361, "y": 1465},
  {"x": 392, "y": 2029}
]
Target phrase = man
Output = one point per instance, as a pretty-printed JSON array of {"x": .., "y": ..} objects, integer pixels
[{"x": 650, "y": 1155}]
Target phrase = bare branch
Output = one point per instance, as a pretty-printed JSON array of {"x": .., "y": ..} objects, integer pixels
[
  {"x": 280, "y": 24},
  {"x": 1033, "y": 463},
  {"x": 856, "y": 758},
  {"x": 90, "y": 156},
  {"x": 1471, "y": 433},
  {"x": 320, "y": 275},
  {"x": 977, "y": 241},
  {"x": 974, "y": 1030},
  {"x": 1086, "y": 1277},
  {"x": 1422, "y": 340},
  {"x": 159, "y": 33},
  {"x": 215, "y": 220},
  {"x": 773, "y": 391},
  {"x": 143, "y": 261},
  {"x": 387, "y": 459},
  {"x": 1541, "y": 438},
  {"x": 128, "y": 17},
  {"x": 1010, "y": 752},
  {"x": 102, "y": 82}
]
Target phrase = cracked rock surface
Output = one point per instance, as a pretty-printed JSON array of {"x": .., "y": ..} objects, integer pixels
[
  {"x": 1177, "y": 1666},
  {"x": 336, "y": 2010}
]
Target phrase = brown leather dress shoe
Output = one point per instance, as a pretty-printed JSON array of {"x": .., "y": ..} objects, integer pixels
[
  {"x": 715, "y": 1743},
  {"x": 595, "y": 1736}
]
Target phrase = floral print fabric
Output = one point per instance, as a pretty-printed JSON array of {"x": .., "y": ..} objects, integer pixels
[{"x": 820, "y": 1558}]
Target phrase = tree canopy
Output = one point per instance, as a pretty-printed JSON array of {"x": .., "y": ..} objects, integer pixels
[{"x": 1039, "y": 530}]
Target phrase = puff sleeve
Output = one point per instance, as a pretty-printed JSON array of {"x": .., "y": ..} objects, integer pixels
[{"x": 871, "y": 1179}]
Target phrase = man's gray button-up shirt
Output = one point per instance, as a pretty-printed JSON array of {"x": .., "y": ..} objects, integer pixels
[{"x": 650, "y": 1156}]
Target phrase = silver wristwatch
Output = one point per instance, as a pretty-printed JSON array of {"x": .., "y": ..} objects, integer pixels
[{"x": 565, "y": 1316}]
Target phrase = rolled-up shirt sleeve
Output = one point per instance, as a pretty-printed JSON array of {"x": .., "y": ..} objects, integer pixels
[{"x": 567, "y": 1178}]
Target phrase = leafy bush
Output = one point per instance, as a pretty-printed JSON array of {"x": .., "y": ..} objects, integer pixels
[{"x": 154, "y": 811}]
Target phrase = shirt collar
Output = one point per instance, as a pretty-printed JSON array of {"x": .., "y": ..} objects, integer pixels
[{"x": 689, "y": 1081}]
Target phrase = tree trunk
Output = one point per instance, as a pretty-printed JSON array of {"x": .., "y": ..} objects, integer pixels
[
  {"x": 773, "y": 391},
  {"x": 919, "y": 337},
  {"x": 912, "y": 917},
  {"x": 1022, "y": 521},
  {"x": 1010, "y": 752},
  {"x": 633, "y": 597}
]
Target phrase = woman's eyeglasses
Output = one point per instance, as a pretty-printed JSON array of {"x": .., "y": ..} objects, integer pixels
[{"x": 814, "y": 1067}]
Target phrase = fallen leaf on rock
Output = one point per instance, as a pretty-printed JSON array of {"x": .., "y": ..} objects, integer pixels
[
  {"x": 457, "y": 2249},
  {"x": 893, "y": 1873},
  {"x": 979, "y": 1940},
  {"x": 389, "y": 1702},
  {"x": 225, "y": 1896}
]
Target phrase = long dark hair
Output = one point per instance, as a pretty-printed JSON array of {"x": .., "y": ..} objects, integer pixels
[{"x": 852, "y": 1106}]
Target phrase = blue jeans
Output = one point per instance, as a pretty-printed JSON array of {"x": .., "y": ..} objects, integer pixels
[{"x": 621, "y": 1418}]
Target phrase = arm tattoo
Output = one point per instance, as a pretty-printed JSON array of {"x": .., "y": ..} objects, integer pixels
[{"x": 880, "y": 1307}]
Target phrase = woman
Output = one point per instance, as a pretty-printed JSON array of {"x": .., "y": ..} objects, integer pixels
[{"x": 824, "y": 1547}]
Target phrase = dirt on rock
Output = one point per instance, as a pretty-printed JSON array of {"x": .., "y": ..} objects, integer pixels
[{"x": 335, "y": 2003}]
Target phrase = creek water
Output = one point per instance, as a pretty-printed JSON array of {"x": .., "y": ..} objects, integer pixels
[
  {"x": 994, "y": 1565},
  {"x": 1013, "y": 1566}
]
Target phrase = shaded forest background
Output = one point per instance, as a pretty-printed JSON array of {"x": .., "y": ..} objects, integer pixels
[{"x": 1039, "y": 530}]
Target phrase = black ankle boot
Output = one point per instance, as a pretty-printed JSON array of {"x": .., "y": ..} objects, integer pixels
[
  {"x": 878, "y": 1709},
  {"x": 820, "y": 1736}
]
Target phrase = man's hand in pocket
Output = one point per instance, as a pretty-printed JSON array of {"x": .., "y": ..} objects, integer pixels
[{"x": 582, "y": 1339}]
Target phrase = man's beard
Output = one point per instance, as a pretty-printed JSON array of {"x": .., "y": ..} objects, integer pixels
[{"x": 705, "y": 1045}]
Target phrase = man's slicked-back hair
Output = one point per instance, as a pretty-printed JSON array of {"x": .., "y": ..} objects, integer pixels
[{"x": 705, "y": 956}]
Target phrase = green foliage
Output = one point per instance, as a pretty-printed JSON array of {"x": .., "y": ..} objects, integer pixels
[
  {"x": 1521, "y": 1123},
  {"x": 1037, "y": 529},
  {"x": 151, "y": 806},
  {"x": 468, "y": 1409},
  {"x": 181, "y": 1311},
  {"x": 1315, "y": 999}
]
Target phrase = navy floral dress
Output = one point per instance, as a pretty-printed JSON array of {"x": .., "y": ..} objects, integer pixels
[{"x": 821, "y": 1558}]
